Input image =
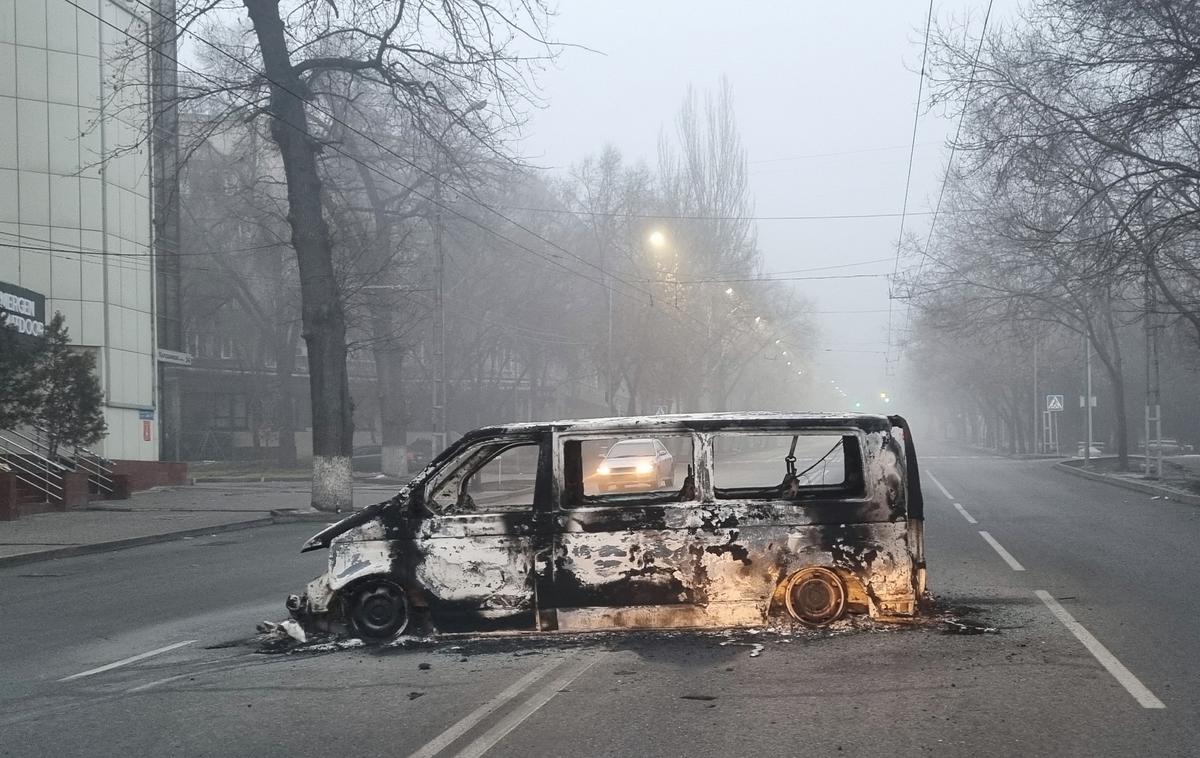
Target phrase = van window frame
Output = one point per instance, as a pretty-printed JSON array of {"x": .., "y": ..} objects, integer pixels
[
  {"x": 615, "y": 500},
  {"x": 462, "y": 462},
  {"x": 852, "y": 488}
]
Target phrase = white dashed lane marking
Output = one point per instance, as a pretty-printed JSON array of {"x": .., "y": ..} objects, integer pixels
[
  {"x": 940, "y": 487},
  {"x": 1007, "y": 556}
]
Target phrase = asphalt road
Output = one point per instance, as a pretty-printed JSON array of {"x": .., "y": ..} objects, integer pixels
[{"x": 1079, "y": 671}]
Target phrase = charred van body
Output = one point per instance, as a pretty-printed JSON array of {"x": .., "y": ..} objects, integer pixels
[{"x": 810, "y": 516}]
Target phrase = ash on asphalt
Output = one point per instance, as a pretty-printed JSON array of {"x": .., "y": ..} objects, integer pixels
[{"x": 945, "y": 616}]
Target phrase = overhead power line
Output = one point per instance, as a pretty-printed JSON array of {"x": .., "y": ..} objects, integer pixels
[
  {"x": 334, "y": 148},
  {"x": 950, "y": 160},
  {"x": 702, "y": 217},
  {"x": 911, "y": 152}
]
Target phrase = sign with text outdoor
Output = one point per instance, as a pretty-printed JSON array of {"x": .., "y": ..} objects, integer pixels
[
  {"x": 174, "y": 357},
  {"x": 23, "y": 310}
]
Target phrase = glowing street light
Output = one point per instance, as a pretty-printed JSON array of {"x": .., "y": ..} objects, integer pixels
[
  {"x": 729, "y": 291},
  {"x": 657, "y": 239}
]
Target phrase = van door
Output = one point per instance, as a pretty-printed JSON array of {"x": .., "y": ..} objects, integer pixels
[
  {"x": 474, "y": 551},
  {"x": 622, "y": 551}
]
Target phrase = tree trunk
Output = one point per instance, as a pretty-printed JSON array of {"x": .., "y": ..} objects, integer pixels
[
  {"x": 322, "y": 311},
  {"x": 1110, "y": 357}
]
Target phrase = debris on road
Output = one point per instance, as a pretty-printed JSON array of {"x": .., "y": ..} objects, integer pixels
[
  {"x": 956, "y": 626},
  {"x": 283, "y": 630},
  {"x": 756, "y": 647}
]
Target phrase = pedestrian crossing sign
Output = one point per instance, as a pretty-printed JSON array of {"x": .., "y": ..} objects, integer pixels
[{"x": 1054, "y": 402}]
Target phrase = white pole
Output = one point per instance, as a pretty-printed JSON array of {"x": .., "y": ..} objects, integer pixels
[{"x": 1087, "y": 348}]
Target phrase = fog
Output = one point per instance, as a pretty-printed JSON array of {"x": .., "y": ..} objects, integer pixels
[
  {"x": 366, "y": 237},
  {"x": 825, "y": 97}
]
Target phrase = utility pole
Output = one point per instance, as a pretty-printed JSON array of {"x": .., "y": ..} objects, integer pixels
[
  {"x": 439, "y": 341},
  {"x": 610, "y": 387},
  {"x": 1153, "y": 398},
  {"x": 1034, "y": 434},
  {"x": 1087, "y": 400}
]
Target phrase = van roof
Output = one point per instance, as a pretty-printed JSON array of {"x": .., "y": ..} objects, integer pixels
[{"x": 706, "y": 422}]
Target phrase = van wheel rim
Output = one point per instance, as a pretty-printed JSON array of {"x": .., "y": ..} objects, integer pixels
[
  {"x": 381, "y": 610},
  {"x": 815, "y": 596}
]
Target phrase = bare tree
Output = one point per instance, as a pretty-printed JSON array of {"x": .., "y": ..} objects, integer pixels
[{"x": 434, "y": 60}]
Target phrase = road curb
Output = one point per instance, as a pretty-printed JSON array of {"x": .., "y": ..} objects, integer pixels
[
  {"x": 248, "y": 479},
  {"x": 1142, "y": 487},
  {"x": 285, "y": 516},
  {"x": 149, "y": 539}
]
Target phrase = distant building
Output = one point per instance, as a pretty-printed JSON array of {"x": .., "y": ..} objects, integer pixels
[{"x": 74, "y": 227}]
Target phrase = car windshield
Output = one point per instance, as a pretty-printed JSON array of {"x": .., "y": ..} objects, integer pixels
[{"x": 631, "y": 448}]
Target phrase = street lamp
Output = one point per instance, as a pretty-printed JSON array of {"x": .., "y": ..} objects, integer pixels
[{"x": 657, "y": 239}]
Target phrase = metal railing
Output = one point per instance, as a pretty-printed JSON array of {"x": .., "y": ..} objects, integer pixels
[
  {"x": 32, "y": 468},
  {"x": 36, "y": 444}
]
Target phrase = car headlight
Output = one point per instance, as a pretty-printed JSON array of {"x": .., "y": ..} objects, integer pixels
[
  {"x": 644, "y": 468},
  {"x": 602, "y": 469}
]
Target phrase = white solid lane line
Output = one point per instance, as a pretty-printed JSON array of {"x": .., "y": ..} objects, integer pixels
[
  {"x": 528, "y": 708},
  {"x": 126, "y": 661},
  {"x": 1109, "y": 661},
  {"x": 970, "y": 519},
  {"x": 940, "y": 487},
  {"x": 443, "y": 740},
  {"x": 1007, "y": 556}
]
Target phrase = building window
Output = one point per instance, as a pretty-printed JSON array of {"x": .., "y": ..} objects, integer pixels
[
  {"x": 229, "y": 412},
  {"x": 226, "y": 347}
]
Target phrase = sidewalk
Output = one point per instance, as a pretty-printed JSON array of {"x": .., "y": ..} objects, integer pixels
[
  {"x": 164, "y": 514},
  {"x": 1180, "y": 482}
]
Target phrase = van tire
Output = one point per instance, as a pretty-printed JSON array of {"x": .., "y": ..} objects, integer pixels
[{"x": 378, "y": 609}]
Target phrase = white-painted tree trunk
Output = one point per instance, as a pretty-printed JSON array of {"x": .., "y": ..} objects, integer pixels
[{"x": 332, "y": 483}]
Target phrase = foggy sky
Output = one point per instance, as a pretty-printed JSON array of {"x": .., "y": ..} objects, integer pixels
[{"x": 808, "y": 78}]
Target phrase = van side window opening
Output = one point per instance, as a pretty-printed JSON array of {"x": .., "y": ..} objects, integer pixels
[
  {"x": 629, "y": 469},
  {"x": 786, "y": 465},
  {"x": 496, "y": 478}
]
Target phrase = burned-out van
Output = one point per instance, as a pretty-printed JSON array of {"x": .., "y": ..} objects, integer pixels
[{"x": 719, "y": 520}]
